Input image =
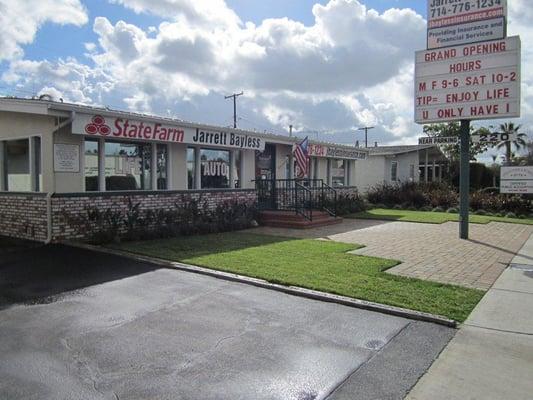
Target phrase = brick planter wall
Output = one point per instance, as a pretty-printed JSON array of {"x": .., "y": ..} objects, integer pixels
[
  {"x": 23, "y": 215},
  {"x": 66, "y": 207}
]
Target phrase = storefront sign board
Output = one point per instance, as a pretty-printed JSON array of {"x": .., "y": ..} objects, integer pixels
[
  {"x": 135, "y": 130},
  {"x": 319, "y": 150}
]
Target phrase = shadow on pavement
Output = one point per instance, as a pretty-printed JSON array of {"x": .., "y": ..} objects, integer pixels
[
  {"x": 347, "y": 225},
  {"x": 501, "y": 249},
  {"x": 42, "y": 274}
]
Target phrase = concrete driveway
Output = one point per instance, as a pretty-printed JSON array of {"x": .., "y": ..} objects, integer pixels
[{"x": 75, "y": 324}]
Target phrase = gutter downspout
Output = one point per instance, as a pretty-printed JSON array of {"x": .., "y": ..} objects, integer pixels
[{"x": 49, "y": 222}]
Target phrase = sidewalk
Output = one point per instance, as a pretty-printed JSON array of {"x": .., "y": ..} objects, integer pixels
[{"x": 491, "y": 357}]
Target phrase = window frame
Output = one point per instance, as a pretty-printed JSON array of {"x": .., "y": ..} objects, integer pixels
[{"x": 35, "y": 163}]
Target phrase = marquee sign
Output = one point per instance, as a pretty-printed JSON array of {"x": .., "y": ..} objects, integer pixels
[
  {"x": 477, "y": 81},
  {"x": 456, "y": 22},
  {"x": 318, "y": 150},
  {"x": 124, "y": 128}
]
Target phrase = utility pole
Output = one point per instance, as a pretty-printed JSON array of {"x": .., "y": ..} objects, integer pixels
[
  {"x": 234, "y": 96},
  {"x": 366, "y": 129}
]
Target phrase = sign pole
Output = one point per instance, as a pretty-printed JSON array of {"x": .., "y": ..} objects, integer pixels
[{"x": 464, "y": 181}]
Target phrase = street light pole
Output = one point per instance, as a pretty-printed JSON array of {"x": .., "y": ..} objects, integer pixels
[
  {"x": 234, "y": 96},
  {"x": 366, "y": 129}
]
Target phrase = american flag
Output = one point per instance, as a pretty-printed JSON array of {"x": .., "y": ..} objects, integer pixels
[{"x": 301, "y": 155}]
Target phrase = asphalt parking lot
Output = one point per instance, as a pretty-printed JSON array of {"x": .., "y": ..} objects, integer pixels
[{"x": 76, "y": 324}]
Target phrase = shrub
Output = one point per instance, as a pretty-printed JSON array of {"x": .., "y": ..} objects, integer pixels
[
  {"x": 188, "y": 217},
  {"x": 438, "y": 209},
  {"x": 397, "y": 207},
  {"x": 510, "y": 215},
  {"x": 350, "y": 203},
  {"x": 426, "y": 208},
  {"x": 452, "y": 210},
  {"x": 480, "y": 212}
]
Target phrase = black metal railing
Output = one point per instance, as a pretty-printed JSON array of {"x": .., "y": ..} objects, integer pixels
[{"x": 299, "y": 195}]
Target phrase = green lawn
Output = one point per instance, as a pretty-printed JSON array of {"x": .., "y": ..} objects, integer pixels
[
  {"x": 430, "y": 217},
  {"x": 313, "y": 264}
]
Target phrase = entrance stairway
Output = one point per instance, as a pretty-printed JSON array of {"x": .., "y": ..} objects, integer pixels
[{"x": 290, "y": 219}]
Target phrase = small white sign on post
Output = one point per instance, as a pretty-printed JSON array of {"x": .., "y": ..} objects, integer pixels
[
  {"x": 438, "y": 140},
  {"x": 477, "y": 81},
  {"x": 516, "y": 180},
  {"x": 493, "y": 137},
  {"x": 66, "y": 158},
  {"x": 452, "y": 23}
]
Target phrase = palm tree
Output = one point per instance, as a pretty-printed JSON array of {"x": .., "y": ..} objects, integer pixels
[{"x": 519, "y": 143}]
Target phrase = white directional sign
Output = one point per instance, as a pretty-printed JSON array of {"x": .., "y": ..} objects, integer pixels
[
  {"x": 493, "y": 137},
  {"x": 438, "y": 140},
  {"x": 516, "y": 180},
  {"x": 476, "y": 81}
]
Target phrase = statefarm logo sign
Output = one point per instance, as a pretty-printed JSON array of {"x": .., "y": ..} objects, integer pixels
[{"x": 124, "y": 128}]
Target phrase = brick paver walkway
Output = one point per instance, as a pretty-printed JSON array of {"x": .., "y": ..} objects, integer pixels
[{"x": 427, "y": 251}]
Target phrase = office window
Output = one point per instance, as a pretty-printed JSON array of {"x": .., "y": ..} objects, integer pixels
[
  {"x": 215, "y": 167},
  {"x": 17, "y": 165},
  {"x": 314, "y": 163},
  {"x": 91, "y": 165},
  {"x": 37, "y": 161},
  {"x": 128, "y": 166},
  {"x": 237, "y": 182},
  {"x": 394, "y": 171},
  {"x": 338, "y": 172},
  {"x": 191, "y": 168},
  {"x": 162, "y": 166}
]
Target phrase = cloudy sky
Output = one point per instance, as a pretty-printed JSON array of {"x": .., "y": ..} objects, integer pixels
[{"x": 326, "y": 67}]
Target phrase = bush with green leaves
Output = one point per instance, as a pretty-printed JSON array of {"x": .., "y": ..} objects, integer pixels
[
  {"x": 427, "y": 196},
  {"x": 347, "y": 203},
  {"x": 189, "y": 216}
]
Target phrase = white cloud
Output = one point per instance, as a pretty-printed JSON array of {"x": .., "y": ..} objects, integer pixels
[
  {"x": 210, "y": 13},
  {"x": 20, "y": 20},
  {"x": 352, "y": 67}
]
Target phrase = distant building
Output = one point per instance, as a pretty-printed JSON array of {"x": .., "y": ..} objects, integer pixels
[{"x": 409, "y": 163}]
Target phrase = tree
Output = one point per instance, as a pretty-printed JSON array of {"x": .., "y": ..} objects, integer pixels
[
  {"x": 453, "y": 129},
  {"x": 519, "y": 143},
  {"x": 527, "y": 159}
]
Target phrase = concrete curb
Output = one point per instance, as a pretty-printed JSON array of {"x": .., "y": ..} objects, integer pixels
[{"x": 292, "y": 290}]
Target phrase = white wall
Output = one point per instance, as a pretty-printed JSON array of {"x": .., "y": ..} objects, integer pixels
[{"x": 369, "y": 172}]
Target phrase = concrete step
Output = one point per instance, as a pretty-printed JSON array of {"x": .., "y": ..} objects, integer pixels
[{"x": 289, "y": 219}]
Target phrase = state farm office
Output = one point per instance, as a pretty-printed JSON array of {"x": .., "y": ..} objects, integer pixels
[{"x": 56, "y": 156}]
